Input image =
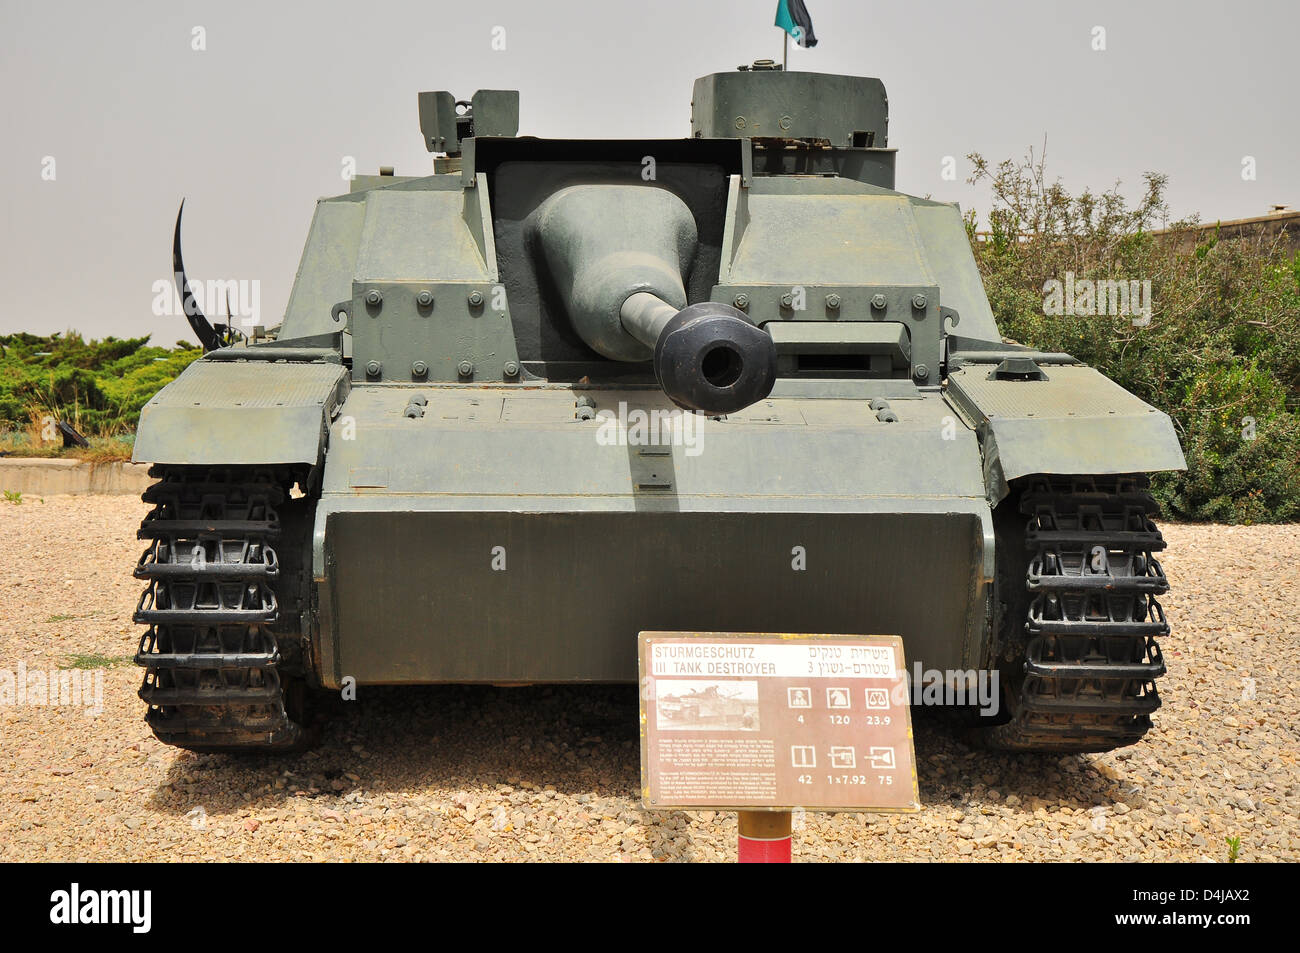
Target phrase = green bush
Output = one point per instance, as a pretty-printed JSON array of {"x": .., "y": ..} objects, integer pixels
[
  {"x": 98, "y": 386},
  {"x": 1221, "y": 354}
]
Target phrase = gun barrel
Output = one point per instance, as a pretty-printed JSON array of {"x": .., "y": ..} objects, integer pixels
[
  {"x": 708, "y": 357},
  {"x": 645, "y": 315},
  {"x": 617, "y": 255}
]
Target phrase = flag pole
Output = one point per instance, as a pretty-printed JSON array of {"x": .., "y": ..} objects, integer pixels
[{"x": 785, "y": 48}]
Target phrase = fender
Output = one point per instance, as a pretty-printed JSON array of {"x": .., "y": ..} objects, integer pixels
[
  {"x": 1071, "y": 419},
  {"x": 240, "y": 406}
]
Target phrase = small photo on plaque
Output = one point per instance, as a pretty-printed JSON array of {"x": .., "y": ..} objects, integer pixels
[{"x": 702, "y": 705}]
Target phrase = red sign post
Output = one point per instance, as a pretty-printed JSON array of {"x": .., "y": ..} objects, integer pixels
[{"x": 764, "y": 837}]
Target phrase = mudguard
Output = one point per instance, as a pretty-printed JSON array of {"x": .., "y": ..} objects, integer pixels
[
  {"x": 1073, "y": 420},
  {"x": 233, "y": 410}
]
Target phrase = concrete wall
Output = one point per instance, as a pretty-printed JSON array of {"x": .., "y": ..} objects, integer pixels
[
  {"x": 36, "y": 476},
  {"x": 1283, "y": 227}
]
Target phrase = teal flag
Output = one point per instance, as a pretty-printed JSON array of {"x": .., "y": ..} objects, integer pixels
[{"x": 792, "y": 16}]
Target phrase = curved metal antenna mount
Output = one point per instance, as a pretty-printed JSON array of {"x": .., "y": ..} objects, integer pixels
[{"x": 203, "y": 329}]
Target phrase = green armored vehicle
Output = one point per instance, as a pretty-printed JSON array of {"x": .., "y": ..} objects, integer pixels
[
  {"x": 708, "y": 707},
  {"x": 562, "y": 391}
]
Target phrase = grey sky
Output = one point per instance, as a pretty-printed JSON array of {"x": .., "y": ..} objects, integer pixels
[{"x": 253, "y": 129}]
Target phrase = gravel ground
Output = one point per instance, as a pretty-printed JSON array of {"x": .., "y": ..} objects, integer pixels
[{"x": 469, "y": 773}]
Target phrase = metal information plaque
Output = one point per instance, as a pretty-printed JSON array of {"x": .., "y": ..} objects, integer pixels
[{"x": 757, "y": 721}]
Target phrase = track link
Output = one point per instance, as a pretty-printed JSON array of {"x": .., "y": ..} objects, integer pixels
[
  {"x": 1090, "y": 656},
  {"x": 212, "y": 664}
]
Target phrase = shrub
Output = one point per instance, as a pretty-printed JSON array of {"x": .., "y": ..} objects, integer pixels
[
  {"x": 1221, "y": 354},
  {"x": 99, "y": 387}
]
